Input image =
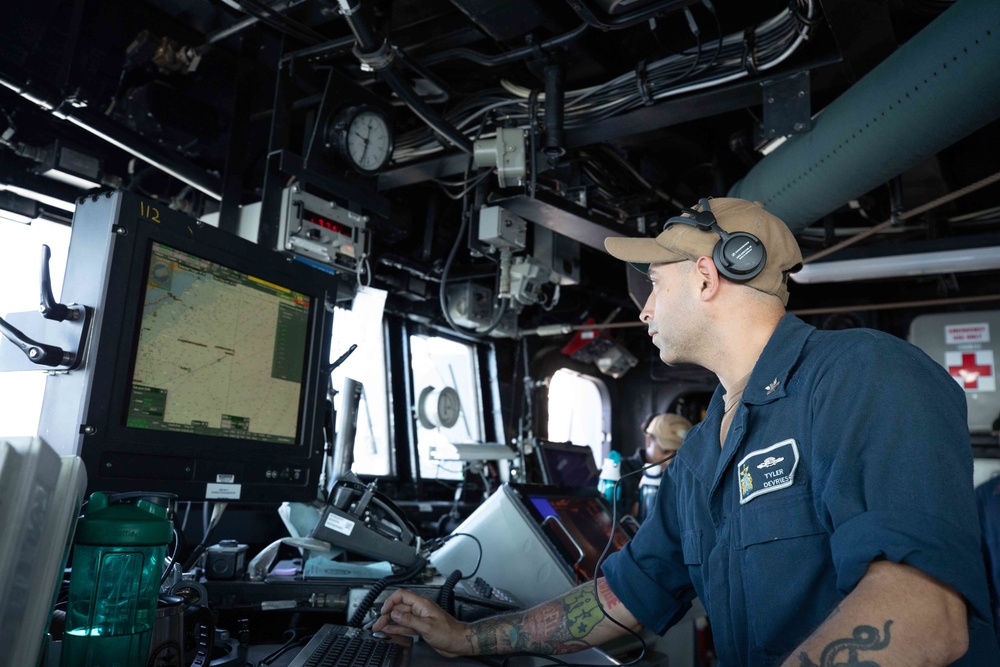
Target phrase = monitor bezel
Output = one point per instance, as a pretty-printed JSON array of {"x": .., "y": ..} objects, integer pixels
[
  {"x": 108, "y": 441},
  {"x": 543, "y": 446}
]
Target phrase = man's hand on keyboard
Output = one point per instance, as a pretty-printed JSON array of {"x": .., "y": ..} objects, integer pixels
[{"x": 405, "y": 613}]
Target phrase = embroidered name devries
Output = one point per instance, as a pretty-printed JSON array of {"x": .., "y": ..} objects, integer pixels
[{"x": 769, "y": 469}]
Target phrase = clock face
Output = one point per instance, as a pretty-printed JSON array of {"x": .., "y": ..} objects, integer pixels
[
  {"x": 448, "y": 407},
  {"x": 437, "y": 408},
  {"x": 368, "y": 142}
]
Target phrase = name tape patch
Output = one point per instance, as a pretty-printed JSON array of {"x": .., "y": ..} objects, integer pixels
[{"x": 766, "y": 470}]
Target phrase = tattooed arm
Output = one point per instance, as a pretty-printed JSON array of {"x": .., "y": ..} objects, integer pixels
[
  {"x": 896, "y": 616},
  {"x": 570, "y": 623}
]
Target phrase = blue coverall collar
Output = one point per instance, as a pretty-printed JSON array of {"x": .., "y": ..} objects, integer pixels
[{"x": 769, "y": 378}]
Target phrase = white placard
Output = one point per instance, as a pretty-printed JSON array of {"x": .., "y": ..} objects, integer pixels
[
  {"x": 223, "y": 491},
  {"x": 339, "y": 524}
]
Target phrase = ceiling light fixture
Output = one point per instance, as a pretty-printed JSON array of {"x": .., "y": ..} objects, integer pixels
[
  {"x": 899, "y": 266},
  {"x": 71, "y": 166},
  {"x": 142, "y": 156},
  {"x": 14, "y": 217},
  {"x": 70, "y": 179},
  {"x": 40, "y": 197}
]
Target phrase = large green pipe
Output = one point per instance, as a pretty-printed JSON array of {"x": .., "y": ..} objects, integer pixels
[{"x": 940, "y": 86}]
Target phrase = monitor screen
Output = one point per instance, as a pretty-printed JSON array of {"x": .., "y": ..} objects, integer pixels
[
  {"x": 220, "y": 352},
  {"x": 207, "y": 369},
  {"x": 566, "y": 464},
  {"x": 577, "y": 521}
]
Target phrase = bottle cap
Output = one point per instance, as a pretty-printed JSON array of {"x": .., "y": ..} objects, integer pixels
[
  {"x": 611, "y": 468},
  {"x": 125, "y": 524}
]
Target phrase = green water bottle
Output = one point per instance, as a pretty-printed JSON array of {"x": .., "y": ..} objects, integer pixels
[{"x": 118, "y": 557}]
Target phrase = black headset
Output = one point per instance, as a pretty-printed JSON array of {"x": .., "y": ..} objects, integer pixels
[{"x": 739, "y": 256}]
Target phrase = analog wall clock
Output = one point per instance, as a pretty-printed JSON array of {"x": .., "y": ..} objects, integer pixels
[
  {"x": 363, "y": 138},
  {"x": 438, "y": 407}
]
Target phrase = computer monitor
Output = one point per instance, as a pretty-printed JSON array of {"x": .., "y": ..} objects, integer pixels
[
  {"x": 566, "y": 464},
  {"x": 207, "y": 369},
  {"x": 560, "y": 531},
  {"x": 577, "y": 521}
]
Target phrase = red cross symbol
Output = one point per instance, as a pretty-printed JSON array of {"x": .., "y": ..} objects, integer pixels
[{"x": 969, "y": 372}]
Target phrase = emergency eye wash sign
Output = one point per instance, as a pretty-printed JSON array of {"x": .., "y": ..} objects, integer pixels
[
  {"x": 962, "y": 343},
  {"x": 958, "y": 334}
]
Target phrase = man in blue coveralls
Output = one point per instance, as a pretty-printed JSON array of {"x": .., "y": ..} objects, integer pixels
[{"x": 823, "y": 511}]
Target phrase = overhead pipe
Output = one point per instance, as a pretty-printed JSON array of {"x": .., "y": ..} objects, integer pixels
[
  {"x": 940, "y": 86},
  {"x": 508, "y": 57},
  {"x": 379, "y": 56},
  {"x": 555, "y": 135}
]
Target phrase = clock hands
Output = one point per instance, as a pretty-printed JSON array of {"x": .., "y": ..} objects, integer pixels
[{"x": 365, "y": 140}]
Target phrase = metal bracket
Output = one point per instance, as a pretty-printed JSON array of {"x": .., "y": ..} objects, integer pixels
[
  {"x": 68, "y": 336},
  {"x": 786, "y": 106}
]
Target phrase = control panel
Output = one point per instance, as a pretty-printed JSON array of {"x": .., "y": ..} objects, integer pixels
[
  {"x": 480, "y": 589},
  {"x": 322, "y": 230}
]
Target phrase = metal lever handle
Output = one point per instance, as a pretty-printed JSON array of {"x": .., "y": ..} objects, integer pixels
[
  {"x": 555, "y": 520},
  {"x": 37, "y": 353},
  {"x": 49, "y": 309},
  {"x": 629, "y": 520}
]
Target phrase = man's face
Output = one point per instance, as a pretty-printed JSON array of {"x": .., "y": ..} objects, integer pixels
[{"x": 669, "y": 312}]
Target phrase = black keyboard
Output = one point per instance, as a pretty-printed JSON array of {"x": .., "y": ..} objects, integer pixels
[{"x": 343, "y": 646}]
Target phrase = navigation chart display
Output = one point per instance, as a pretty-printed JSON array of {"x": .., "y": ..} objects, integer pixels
[{"x": 220, "y": 352}]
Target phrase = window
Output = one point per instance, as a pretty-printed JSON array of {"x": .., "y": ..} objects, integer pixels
[
  {"x": 578, "y": 411},
  {"x": 20, "y": 261},
  {"x": 443, "y": 369},
  {"x": 362, "y": 325}
]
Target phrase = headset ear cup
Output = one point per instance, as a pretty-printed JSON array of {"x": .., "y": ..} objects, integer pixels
[{"x": 740, "y": 257}]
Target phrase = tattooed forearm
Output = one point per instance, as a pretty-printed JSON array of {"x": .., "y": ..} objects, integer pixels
[
  {"x": 486, "y": 637},
  {"x": 610, "y": 599},
  {"x": 540, "y": 630},
  {"x": 582, "y": 612},
  {"x": 845, "y": 651},
  {"x": 557, "y": 627}
]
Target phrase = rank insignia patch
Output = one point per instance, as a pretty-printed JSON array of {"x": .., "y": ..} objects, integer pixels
[{"x": 766, "y": 470}]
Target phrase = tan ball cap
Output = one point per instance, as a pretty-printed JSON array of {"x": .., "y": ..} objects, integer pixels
[{"x": 680, "y": 242}]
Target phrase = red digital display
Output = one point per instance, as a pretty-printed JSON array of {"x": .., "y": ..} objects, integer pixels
[{"x": 326, "y": 223}]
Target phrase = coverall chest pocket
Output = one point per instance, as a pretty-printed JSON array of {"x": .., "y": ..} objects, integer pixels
[{"x": 784, "y": 558}]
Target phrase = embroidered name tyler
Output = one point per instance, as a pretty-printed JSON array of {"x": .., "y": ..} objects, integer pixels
[{"x": 759, "y": 471}]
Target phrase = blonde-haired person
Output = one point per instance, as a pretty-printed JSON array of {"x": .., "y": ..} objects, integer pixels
[{"x": 664, "y": 436}]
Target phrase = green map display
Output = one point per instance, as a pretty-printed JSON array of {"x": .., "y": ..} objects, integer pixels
[{"x": 220, "y": 352}]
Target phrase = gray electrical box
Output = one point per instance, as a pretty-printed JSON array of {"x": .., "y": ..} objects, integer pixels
[
  {"x": 314, "y": 228},
  {"x": 470, "y": 305},
  {"x": 966, "y": 345},
  {"x": 502, "y": 229},
  {"x": 559, "y": 252}
]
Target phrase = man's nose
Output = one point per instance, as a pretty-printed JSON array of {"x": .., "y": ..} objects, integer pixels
[{"x": 646, "y": 315}]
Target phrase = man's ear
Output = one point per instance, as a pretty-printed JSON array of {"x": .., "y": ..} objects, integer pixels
[{"x": 707, "y": 275}]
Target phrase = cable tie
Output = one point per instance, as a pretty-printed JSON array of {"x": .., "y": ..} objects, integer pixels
[
  {"x": 641, "y": 79},
  {"x": 750, "y": 51},
  {"x": 692, "y": 24}
]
